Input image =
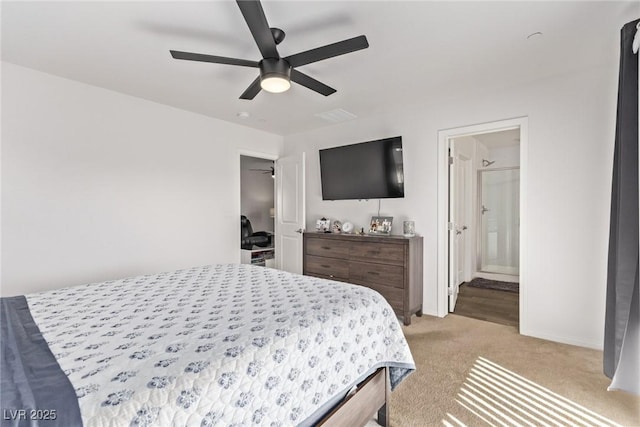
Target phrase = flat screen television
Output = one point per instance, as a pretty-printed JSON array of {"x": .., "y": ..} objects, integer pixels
[{"x": 368, "y": 170}]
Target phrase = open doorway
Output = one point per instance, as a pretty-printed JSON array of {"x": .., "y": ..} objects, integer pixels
[
  {"x": 480, "y": 205},
  {"x": 485, "y": 212},
  {"x": 257, "y": 211}
]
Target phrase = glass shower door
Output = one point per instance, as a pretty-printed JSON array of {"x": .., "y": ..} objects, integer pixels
[{"x": 500, "y": 221}]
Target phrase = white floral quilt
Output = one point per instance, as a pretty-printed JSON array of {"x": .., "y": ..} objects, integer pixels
[{"x": 229, "y": 345}]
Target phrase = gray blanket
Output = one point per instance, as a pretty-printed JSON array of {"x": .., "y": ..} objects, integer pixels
[{"x": 35, "y": 391}]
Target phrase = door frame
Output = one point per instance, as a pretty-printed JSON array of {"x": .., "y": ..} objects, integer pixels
[{"x": 443, "y": 206}]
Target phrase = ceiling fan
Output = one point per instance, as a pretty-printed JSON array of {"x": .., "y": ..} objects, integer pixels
[
  {"x": 276, "y": 73},
  {"x": 271, "y": 171}
]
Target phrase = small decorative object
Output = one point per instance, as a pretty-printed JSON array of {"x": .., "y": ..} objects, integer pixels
[
  {"x": 380, "y": 224},
  {"x": 337, "y": 227},
  {"x": 323, "y": 225},
  {"x": 409, "y": 228},
  {"x": 347, "y": 227},
  {"x": 361, "y": 232}
]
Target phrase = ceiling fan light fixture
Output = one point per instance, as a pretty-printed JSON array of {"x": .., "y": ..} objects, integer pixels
[
  {"x": 275, "y": 75},
  {"x": 275, "y": 84}
]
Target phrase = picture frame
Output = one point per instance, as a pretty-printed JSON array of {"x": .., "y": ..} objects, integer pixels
[
  {"x": 380, "y": 225},
  {"x": 323, "y": 225}
]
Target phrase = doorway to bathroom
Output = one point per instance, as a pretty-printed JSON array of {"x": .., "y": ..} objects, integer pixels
[{"x": 483, "y": 216}]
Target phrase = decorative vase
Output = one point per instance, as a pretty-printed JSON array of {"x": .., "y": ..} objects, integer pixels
[{"x": 409, "y": 228}]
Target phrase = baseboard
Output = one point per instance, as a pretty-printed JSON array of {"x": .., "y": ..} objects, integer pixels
[{"x": 562, "y": 339}]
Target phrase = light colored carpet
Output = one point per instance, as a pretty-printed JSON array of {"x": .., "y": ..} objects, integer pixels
[{"x": 467, "y": 366}]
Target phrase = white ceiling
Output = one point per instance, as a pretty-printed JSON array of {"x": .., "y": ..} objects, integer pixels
[{"x": 420, "y": 51}]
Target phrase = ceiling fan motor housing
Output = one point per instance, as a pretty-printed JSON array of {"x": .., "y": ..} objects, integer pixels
[
  {"x": 275, "y": 75},
  {"x": 272, "y": 67}
]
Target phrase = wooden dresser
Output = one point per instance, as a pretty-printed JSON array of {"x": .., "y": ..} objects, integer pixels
[{"x": 391, "y": 265}]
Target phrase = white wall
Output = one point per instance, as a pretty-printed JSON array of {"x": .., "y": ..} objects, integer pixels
[
  {"x": 98, "y": 185},
  {"x": 571, "y": 135}
]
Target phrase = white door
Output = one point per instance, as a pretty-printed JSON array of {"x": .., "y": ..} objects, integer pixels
[
  {"x": 290, "y": 212},
  {"x": 458, "y": 171}
]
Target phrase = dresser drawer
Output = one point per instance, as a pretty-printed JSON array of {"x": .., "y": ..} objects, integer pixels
[
  {"x": 394, "y": 296},
  {"x": 381, "y": 274},
  {"x": 328, "y": 248},
  {"x": 377, "y": 252},
  {"x": 327, "y": 267}
]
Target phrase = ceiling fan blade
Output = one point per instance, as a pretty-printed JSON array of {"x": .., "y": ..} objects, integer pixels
[
  {"x": 257, "y": 22},
  {"x": 328, "y": 51},
  {"x": 211, "y": 58},
  {"x": 252, "y": 90},
  {"x": 311, "y": 83}
]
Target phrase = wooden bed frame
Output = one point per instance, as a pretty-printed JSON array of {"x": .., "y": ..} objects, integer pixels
[{"x": 357, "y": 409}]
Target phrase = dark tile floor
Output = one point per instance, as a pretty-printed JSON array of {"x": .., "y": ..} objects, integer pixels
[{"x": 490, "y": 305}]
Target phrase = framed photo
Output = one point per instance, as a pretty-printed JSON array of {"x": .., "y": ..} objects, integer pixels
[
  {"x": 323, "y": 225},
  {"x": 380, "y": 224}
]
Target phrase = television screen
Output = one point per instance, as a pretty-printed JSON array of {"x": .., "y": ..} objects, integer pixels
[{"x": 369, "y": 170}]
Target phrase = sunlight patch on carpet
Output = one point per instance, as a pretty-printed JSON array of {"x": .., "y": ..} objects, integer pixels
[
  {"x": 500, "y": 397},
  {"x": 456, "y": 422}
]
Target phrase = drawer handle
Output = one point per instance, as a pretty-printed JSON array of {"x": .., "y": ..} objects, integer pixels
[
  {"x": 325, "y": 266},
  {"x": 331, "y": 275},
  {"x": 373, "y": 273},
  {"x": 374, "y": 252},
  {"x": 326, "y": 248}
]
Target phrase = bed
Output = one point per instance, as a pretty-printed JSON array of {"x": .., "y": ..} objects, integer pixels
[{"x": 229, "y": 345}]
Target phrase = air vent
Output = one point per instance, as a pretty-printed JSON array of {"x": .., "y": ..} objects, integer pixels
[{"x": 336, "y": 116}]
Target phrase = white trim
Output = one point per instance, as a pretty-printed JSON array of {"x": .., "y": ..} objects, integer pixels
[
  {"x": 596, "y": 345},
  {"x": 443, "y": 202}
]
